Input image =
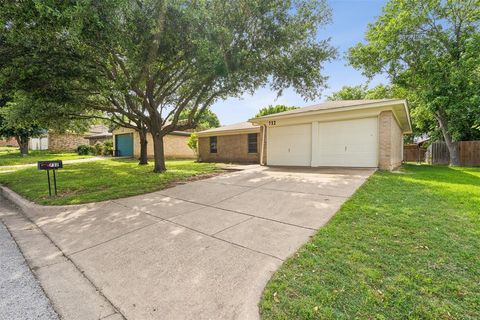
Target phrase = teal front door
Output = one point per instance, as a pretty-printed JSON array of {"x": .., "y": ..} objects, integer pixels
[{"x": 124, "y": 145}]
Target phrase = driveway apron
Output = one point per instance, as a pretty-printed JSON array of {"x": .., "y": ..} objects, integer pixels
[{"x": 201, "y": 250}]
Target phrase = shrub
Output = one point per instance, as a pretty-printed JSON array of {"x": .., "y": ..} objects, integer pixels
[
  {"x": 108, "y": 148},
  {"x": 193, "y": 142},
  {"x": 98, "y": 147},
  {"x": 85, "y": 149}
]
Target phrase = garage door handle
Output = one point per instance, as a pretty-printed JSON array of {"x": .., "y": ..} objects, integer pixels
[
  {"x": 288, "y": 149},
  {"x": 345, "y": 148}
]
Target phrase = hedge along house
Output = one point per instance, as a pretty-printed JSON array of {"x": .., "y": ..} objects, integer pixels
[
  {"x": 238, "y": 142},
  {"x": 354, "y": 133},
  {"x": 126, "y": 143}
]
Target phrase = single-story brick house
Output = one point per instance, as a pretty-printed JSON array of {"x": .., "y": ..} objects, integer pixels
[
  {"x": 353, "y": 133},
  {"x": 126, "y": 143},
  {"x": 98, "y": 134},
  {"x": 10, "y": 142},
  {"x": 69, "y": 140},
  {"x": 238, "y": 142}
]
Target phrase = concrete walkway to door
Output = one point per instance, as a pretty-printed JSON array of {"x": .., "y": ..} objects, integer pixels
[{"x": 201, "y": 250}]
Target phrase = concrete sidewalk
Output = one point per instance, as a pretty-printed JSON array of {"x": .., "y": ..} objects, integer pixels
[
  {"x": 201, "y": 250},
  {"x": 22, "y": 296}
]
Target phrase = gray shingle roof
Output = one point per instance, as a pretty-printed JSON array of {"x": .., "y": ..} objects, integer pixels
[
  {"x": 235, "y": 126},
  {"x": 328, "y": 105}
]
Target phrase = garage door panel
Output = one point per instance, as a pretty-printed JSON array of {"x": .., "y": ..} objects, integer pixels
[
  {"x": 289, "y": 146},
  {"x": 351, "y": 143}
]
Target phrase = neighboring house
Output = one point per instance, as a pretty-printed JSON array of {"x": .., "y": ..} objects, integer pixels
[
  {"x": 98, "y": 134},
  {"x": 126, "y": 143},
  {"x": 10, "y": 142},
  {"x": 69, "y": 141},
  {"x": 39, "y": 143},
  {"x": 354, "y": 133}
]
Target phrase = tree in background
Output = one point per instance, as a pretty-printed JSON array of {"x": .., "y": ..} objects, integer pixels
[
  {"x": 151, "y": 60},
  {"x": 431, "y": 49},
  {"x": 273, "y": 109},
  {"x": 349, "y": 93},
  {"x": 207, "y": 120},
  {"x": 12, "y": 125}
]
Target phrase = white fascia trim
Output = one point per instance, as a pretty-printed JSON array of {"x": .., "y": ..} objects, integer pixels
[
  {"x": 228, "y": 132},
  {"x": 263, "y": 120},
  {"x": 331, "y": 110}
]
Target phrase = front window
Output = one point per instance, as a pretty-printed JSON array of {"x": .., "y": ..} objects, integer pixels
[
  {"x": 213, "y": 144},
  {"x": 252, "y": 143}
]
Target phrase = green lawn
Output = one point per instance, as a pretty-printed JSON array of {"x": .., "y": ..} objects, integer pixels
[
  {"x": 100, "y": 180},
  {"x": 11, "y": 156},
  {"x": 405, "y": 246}
]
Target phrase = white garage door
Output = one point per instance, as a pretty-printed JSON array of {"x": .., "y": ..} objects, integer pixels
[
  {"x": 352, "y": 143},
  {"x": 290, "y": 145}
]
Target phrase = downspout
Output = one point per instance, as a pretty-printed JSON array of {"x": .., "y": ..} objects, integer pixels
[{"x": 263, "y": 145}]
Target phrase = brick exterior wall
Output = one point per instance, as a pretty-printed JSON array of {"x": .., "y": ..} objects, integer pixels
[
  {"x": 175, "y": 146},
  {"x": 390, "y": 142},
  {"x": 230, "y": 148},
  {"x": 8, "y": 142},
  {"x": 65, "y": 141},
  {"x": 265, "y": 144}
]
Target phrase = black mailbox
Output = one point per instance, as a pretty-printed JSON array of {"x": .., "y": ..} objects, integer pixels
[{"x": 50, "y": 165}]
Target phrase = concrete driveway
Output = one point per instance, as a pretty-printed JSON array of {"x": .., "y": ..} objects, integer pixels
[{"x": 202, "y": 250}]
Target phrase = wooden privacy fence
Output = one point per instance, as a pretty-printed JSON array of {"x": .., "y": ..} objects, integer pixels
[
  {"x": 469, "y": 153},
  {"x": 412, "y": 152}
]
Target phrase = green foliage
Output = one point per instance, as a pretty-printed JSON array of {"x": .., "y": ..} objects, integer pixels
[
  {"x": 145, "y": 62},
  {"x": 273, "y": 109},
  {"x": 361, "y": 92},
  {"x": 207, "y": 119},
  {"x": 13, "y": 124},
  {"x": 349, "y": 93},
  {"x": 40, "y": 63},
  {"x": 108, "y": 148},
  {"x": 85, "y": 149},
  {"x": 429, "y": 48},
  {"x": 193, "y": 142},
  {"x": 405, "y": 246},
  {"x": 101, "y": 180},
  {"x": 98, "y": 148}
]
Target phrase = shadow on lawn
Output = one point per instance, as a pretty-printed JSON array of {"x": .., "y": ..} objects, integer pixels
[{"x": 444, "y": 174}]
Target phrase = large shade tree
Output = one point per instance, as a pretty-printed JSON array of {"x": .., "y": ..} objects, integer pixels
[
  {"x": 172, "y": 57},
  {"x": 162, "y": 64},
  {"x": 39, "y": 71},
  {"x": 431, "y": 48}
]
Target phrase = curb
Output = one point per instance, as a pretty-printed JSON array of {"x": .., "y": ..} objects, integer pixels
[
  {"x": 60, "y": 280},
  {"x": 27, "y": 206},
  {"x": 22, "y": 203}
]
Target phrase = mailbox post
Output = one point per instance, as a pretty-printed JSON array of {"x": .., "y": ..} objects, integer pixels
[{"x": 50, "y": 165}]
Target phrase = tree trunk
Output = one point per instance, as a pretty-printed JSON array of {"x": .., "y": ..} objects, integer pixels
[
  {"x": 143, "y": 160},
  {"x": 158, "y": 152},
  {"x": 23, "y": 144},
  {"x": 452, "y": 146}
]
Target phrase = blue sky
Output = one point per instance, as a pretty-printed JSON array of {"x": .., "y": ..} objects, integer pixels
[{"x": 350, "y": 19}]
